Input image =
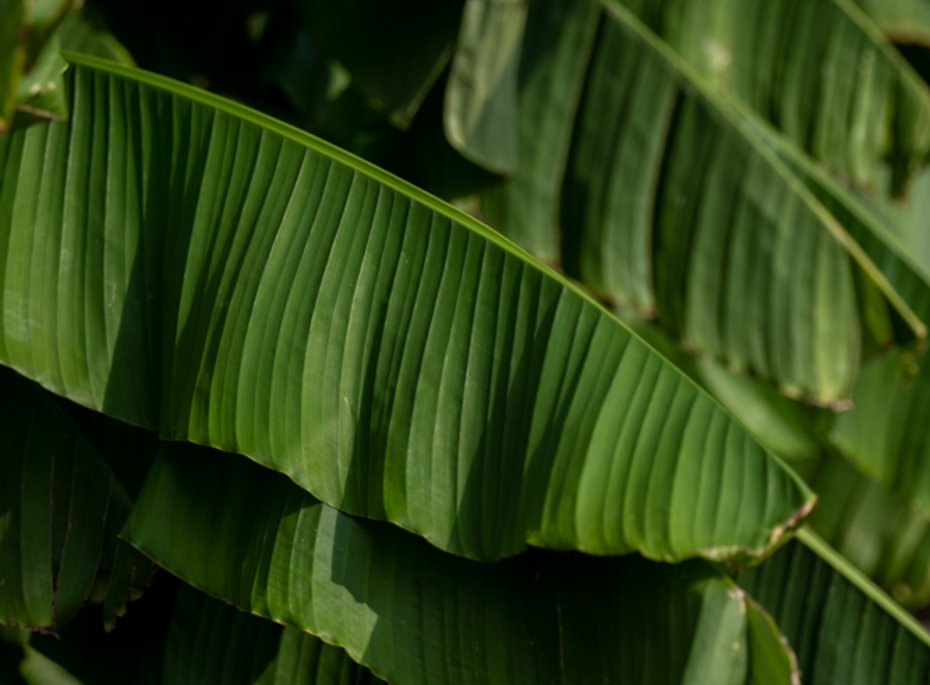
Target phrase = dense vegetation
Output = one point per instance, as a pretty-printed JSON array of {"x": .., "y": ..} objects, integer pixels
[{"x": 666, "y": 423}]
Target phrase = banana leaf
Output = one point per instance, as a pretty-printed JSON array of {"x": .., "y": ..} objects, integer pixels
[
  {"x": 223, "y": 278},
  {"x": 413, "y": 614},
  {"x": 672, "y": 205},
  {"x": 675, "y": 202}
]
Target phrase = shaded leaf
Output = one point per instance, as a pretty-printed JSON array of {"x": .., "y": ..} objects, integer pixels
[
  {"x": 413, "y": 614},
  {"x": 30, "y": 75},
  {"x": 393, "y": 50},
  {"x": 60, "y": 510},
  {"x": 212, "y": 641},
  {"x": 12, "y": 58}
]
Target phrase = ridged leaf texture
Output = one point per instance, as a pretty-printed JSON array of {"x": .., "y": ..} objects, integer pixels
[{"x": 231, "y": 281}]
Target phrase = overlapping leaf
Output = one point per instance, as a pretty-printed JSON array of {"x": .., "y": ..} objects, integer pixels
[
  {"x": 234, "y": 282},
  {"x": 671, "y": 203},
  {"x": 850, "y": 101},
  {"x": 60, "y": 510},
  {"x": 413, "y": 614}
]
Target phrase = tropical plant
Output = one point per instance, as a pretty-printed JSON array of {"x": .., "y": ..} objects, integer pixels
[{"x": 332, "y": 428}]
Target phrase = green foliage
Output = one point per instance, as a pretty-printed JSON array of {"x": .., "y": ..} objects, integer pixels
[{"x": 711, "y": 319}]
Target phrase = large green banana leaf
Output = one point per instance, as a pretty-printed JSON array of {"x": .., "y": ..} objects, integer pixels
[
  {"x": 414, "y": 614},
  {"x": 231, "y": 281},
  {"x": 842, "y": 628},
  {"x": 60, "y": 510}
]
